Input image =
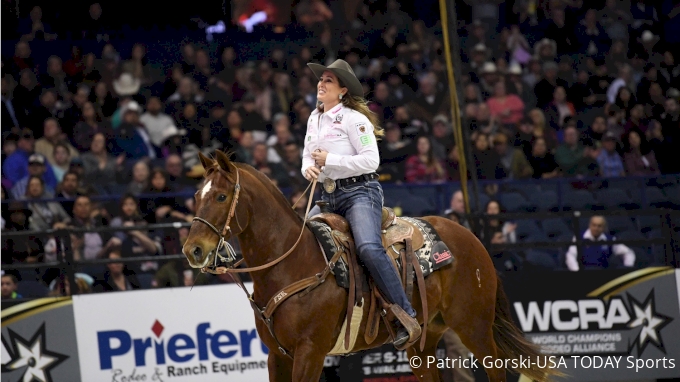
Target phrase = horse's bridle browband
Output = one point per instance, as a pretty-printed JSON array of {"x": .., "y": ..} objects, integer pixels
[{"x": 306, "y": 284}]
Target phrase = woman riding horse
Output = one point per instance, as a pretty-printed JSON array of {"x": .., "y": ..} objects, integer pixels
[{"x": 341, "y": 151}]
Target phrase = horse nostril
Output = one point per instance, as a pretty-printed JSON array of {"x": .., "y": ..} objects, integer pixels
[{"x": 198, "y": 252}]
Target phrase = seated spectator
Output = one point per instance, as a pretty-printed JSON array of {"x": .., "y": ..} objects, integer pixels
[
  {"x": 503, "y": 260},
  {"x": 155, "y": 120},
  {"x": 423, "y": 167},
  {"x": 138, "y": 242},
  {"x": 487, "y": 161},
  {"x": 638, "y": 158},
  {"x": 442, "y": 136},
  {"x": 277, "y": 142},
  {"x": 99, "y": 166},
  {"x": 559, "y": 110},
  {"x": 45, "y": 215},
  {"x": 491, "y": 225},
  {"x": 274, "y": 171},
  {"x": 53, "y": 136},
  {"x": 87, "y": 246},
  {"x": 598, "y": 256},
  {"x": 512, "y": 159},
  {"x": 185, "y": 94},
  {"x": 291, "y": 163},
  {"x": 570, "y": 156},
  {"x": 16, "y": 166},
  {"x": 132, "y": 138},
  {"x": 664, "y": 149},
  {"x": 545, "y": 88},
  {"x": 38, "y": 167},
  {"x": 27, "y": 249},
  {"x": 609, "y": 159},
  {"x": 103, "y": 101},
  {"x": 117, "y": 276},
  {"x": 175, "y": 172},
  {"x": 62, "y": 161},
  {"x": 394, "y": 150},
  {"x": 158, "y": 207},
  {"x": 596, "y": 131},
  {"x": 524, "y": 137},
  {"x": 68, "y": 189},
  {"x": 251, "y": 119},
  {"x": 636, "y": 119},
  {"x": 9, "y": 284},
  {"x": 506, "y": 108},
  {"x": 457, "y": 205},
  {"x": 140, "y": 178},
  {"x": 91, "y": 124},
  {"x": 542, "y": 161}
]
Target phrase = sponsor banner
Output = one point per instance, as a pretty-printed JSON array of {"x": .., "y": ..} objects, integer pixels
[
  {"x": 605, "y": 325},
  {"x": 176, "y": 334},
  {"x": 39, "y": 341}
]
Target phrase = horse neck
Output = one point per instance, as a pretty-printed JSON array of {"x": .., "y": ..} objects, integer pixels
[{"x": 271, "y": 232}]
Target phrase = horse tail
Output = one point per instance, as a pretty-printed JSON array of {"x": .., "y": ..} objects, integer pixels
[{"x": 512, "y": 344}]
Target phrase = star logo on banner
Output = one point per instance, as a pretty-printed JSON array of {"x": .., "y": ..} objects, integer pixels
[
  {"x": 33, "y": 356},
  {"x": 651, "y": 321}
]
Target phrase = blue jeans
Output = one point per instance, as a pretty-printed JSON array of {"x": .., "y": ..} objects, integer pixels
[{"x": 361, "y": 204}]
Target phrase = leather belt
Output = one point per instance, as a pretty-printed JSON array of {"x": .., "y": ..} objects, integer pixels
[{"x": 330, "y": 185}]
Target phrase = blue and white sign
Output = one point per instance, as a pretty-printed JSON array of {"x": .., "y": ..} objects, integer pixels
[{"x": 178, "y": 334}]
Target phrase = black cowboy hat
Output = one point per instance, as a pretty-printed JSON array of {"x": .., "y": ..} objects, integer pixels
[{"x": 344, "y": 72}]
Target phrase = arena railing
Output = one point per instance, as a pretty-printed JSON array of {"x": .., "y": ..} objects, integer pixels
[
  {"x": 441, "y": 192},
  {"x": 68, "y": 265}
]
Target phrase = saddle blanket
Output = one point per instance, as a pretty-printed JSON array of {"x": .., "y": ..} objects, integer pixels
[{"x": 433, "y": 255}]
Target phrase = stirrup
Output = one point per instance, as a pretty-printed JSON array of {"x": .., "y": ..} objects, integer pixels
[{"x": 410, "y": 324}]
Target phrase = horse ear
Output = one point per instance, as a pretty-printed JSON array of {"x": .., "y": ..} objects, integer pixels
[
  {"x": 205, "y": 161},
  {"x": 223, "y": 160}
]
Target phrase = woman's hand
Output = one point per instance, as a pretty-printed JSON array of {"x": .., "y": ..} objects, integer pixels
[
  {"x": 312, "y": 172},
  {"x": 320, "y": 157}
]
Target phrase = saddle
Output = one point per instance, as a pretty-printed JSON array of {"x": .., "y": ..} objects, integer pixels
[
  {"x": 400, "y": 238},
  {"x": 394, "y": 231}
]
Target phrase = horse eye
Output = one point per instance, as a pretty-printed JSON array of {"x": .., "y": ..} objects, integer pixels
[{"x": 221, "y": 198}]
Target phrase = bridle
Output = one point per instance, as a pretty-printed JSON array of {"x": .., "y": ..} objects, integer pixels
[
  {"x": 301, "y": 286},
  {"x": 226, "y": 234}
]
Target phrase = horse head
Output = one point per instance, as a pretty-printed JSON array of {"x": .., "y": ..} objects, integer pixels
[{"x": 218, "y": 214}]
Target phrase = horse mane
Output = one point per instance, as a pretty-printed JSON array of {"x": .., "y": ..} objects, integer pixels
[{"x": 267, "y": 183}]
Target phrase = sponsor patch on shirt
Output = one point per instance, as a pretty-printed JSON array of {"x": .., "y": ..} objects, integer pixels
[
  {"x": 365, "y": 140},
  {"x": 338, "y": 119},
  {"x": 361, "y": 128}
]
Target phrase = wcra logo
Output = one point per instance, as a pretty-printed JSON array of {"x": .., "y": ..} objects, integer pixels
[
  {"x": 32, "y": 357},
  {"x": 594, "y": 314}
]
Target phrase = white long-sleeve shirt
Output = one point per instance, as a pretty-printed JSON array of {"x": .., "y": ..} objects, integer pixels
[
  {"x": 617, "y": 249},
  {"x": 348, "y": 137}
]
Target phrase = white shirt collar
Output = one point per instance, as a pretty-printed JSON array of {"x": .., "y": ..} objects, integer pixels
[{"x": 589, "y": 236}]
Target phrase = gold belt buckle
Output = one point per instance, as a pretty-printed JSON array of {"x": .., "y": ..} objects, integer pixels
[{"x": 329, "y": 185}]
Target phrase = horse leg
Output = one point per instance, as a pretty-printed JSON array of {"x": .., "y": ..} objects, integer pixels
[
  {"x": 478, "y": 337},
  {"x": 280, "y": 368},
  {"x": 425, "y": 372},
  {"x": 308, "y": 364}
]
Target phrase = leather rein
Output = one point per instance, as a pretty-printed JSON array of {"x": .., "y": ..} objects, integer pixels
[{"x": 305, "y": 285}]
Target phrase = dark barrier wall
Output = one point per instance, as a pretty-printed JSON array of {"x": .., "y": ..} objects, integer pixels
[{"x": 598, "y": 326}]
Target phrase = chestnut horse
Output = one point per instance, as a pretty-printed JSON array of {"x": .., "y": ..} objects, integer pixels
[{"x": 465, "y": 295}]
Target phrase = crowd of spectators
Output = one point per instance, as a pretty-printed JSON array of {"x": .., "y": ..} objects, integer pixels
[{"x": 566, "y": 88}]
